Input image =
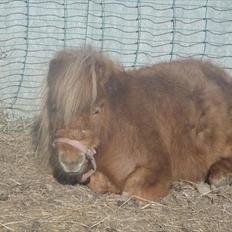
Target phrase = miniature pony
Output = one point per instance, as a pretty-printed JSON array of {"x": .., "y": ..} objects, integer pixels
[{"x": 136, "y": 131}]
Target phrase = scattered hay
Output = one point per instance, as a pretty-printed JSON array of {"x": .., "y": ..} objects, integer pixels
[{"x": 10, "y": 123}]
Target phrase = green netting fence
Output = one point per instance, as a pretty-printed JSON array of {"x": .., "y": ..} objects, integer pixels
[{"x": 133, "y": 32}]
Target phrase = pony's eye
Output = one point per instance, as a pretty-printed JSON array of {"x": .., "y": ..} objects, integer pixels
[
  {"x": 84, "y": 131},
  {"x": 97, "y": 110}
]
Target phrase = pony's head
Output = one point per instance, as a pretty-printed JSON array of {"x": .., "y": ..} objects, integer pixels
[
  {"x": 81, "y": 84},
  {"x": 75, "y": 149}
]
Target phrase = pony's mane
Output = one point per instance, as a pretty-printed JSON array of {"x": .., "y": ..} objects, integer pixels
[{"x": 73, "y": 80}]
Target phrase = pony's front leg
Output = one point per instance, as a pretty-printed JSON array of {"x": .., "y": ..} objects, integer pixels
[
  {"x": 101, "y": 184},
  {"x": 220, "y": 173},
  {"x": 147, "y": 184}
]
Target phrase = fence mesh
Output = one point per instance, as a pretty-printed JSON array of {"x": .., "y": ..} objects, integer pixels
[{"x": 133, "y": 32}]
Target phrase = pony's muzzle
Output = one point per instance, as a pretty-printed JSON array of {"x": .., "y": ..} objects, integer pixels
[{"x": 72, "y": 164}]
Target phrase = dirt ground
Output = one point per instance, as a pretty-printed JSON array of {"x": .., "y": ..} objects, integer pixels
[{"x": 31, "y": 200}]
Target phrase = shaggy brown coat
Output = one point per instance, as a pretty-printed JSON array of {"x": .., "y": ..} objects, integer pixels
[{"x": 153, "y": 126}]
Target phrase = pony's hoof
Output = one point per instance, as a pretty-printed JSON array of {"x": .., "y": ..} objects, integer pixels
[{"x": 220, "y": 179}]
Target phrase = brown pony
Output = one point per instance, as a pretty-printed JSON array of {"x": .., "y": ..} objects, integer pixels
[{"x": 136, "y": 131}]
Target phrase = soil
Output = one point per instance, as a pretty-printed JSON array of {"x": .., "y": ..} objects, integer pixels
[{"x": 31, "y": 200}]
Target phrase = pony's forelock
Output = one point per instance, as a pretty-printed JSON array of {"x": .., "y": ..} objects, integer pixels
[{"x": 76, "y": 90}]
